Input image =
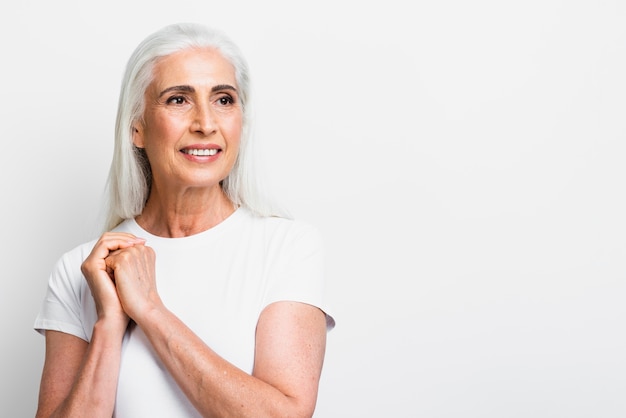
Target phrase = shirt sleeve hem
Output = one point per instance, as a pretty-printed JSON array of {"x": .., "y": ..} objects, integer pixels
[{"x": 42, "y": 325}]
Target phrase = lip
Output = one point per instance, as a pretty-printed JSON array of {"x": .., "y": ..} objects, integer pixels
[{"x": 201, "y": 158}]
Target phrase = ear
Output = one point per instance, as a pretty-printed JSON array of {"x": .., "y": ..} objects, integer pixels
[{"x": 137, "y": 131}]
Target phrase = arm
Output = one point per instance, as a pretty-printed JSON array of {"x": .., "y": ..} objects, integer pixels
[
  {"x": 290, "y": 345},
  {"x": 80, "y": 378}
]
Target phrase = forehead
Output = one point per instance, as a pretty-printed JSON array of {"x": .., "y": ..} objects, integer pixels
[{"x": 193, "y": 66}]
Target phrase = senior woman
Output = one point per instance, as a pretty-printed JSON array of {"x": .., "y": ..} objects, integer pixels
[{"x": 200, "y": 300}]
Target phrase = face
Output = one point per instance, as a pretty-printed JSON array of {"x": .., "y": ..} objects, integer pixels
[{"x": 192, "y": 121}]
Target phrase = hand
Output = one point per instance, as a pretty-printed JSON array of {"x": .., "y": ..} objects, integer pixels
[
  {"x": 101, "y": 283},
  {"x": 133, "y": 270}
]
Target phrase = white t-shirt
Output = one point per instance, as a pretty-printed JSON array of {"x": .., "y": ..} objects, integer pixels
[{"x": 217, "y": 282}]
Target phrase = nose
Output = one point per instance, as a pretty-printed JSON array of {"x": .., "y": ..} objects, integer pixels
[{"x": 203, "y": 119}]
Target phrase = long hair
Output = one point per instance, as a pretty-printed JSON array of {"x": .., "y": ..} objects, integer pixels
[{"x": 130, "y": 176}]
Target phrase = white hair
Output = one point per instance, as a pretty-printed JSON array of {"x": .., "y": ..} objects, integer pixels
[{"x": 130, "y": 176}]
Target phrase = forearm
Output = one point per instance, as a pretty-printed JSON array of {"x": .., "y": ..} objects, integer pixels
[
  {"x": 93, "y": 392},
  {"x": 214, "y": 386}
]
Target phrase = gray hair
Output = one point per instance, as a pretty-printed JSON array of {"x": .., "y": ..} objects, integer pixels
[{"x": 130, "y": 176}]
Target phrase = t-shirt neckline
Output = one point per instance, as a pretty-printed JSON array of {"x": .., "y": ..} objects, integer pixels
[{"x": 217, "y": 230}]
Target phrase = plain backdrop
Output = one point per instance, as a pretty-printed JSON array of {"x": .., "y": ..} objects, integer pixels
[{"x": 465, "y": 162}]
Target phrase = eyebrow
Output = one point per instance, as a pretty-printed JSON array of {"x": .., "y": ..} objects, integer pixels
[{"x": 190, "y": 89}]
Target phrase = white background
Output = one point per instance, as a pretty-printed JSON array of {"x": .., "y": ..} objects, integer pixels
[{"x": 464, "y": 160}]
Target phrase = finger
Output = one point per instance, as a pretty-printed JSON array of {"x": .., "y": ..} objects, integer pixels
[
  {"x": 114, "y": 241},
  {"x": 122, "y": 237},
  {"x": 109, "y": 271}
]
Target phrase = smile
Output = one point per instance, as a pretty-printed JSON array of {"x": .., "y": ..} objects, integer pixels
[{"x": 200, "y": 152}]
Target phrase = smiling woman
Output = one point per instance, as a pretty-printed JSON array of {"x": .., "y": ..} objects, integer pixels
[
  {"x": 190, "y": 132},
  {"x": 232, "y": 319}
]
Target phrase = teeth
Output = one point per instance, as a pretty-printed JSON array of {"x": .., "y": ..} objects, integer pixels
[{"x": 201, "y": 152}]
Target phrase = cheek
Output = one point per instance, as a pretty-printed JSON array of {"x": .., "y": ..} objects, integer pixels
[
  {"x": 162, "y": 129},
  {"x": 234, "y": 131}
]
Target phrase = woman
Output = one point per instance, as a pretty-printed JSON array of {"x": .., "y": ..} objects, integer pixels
[{"x": 197, "y": 302}]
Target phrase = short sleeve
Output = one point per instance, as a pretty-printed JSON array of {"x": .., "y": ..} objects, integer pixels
[
  {"x": 62, "y": 308},
  {"x": 299, "y": 274}
]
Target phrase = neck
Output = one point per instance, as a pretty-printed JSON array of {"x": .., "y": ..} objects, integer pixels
[{"x": 184, "y": 214}]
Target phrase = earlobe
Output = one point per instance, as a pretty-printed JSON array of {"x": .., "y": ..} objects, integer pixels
[{"x": 137, "y": 136}]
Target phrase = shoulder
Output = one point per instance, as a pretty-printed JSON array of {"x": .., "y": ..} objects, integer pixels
[
  {"x": 76, "y": 255},
  {"x": 285, "y": 230},
  {"x": 127, "y": 225},
  {"x": 66, "y": 279},
  {"x": 278, "y": 223}
]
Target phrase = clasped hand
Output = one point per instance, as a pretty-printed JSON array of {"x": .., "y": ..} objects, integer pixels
[{"x": 121, "y": 276}]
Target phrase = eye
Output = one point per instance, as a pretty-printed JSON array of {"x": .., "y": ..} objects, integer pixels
[
  {"x": 176, "y": 100},
  {"x": 225, "y": 100}
]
